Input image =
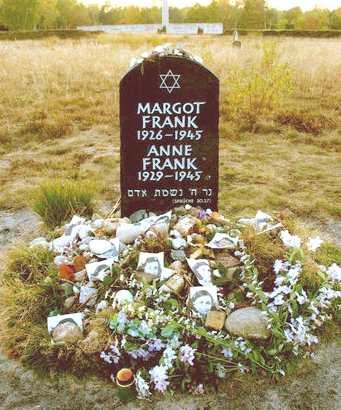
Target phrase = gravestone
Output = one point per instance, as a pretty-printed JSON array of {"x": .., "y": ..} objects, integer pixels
[
  {"x": 236, "y": 40},
  {"x": 169, "y": 114}
]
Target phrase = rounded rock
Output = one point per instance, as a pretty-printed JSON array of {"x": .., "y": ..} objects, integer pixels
[
  {"x": 249, "y": 323},
  {"x": 67, "y": 332}
]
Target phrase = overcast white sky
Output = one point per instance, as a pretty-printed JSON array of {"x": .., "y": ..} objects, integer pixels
[{"x": 280, "y": 4}]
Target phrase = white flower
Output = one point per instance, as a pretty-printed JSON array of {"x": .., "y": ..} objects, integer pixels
[
  {"x": 302, "y": 298},
  {"x": 168, "y": 357},
  {"x": 279, "y": 280},
  {"x": 159, "y": 377},
  {"x": 314, "y": 243},
  {"x": 186, "y": 354},
  {"x": 278, "y": 266},
  {"x": 284, "y": 289},
  {"x": 290, "y": 241},
  {"x": 293, "y": 273},
  {"x": 142, "y": 386},
  {"x": 334, "y": 272},
  {"x": 227, "y": 353},
  {"x": 279, "y": 300}
]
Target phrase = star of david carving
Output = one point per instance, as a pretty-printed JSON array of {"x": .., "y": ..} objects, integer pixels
[{"x": 170, "y": 81}]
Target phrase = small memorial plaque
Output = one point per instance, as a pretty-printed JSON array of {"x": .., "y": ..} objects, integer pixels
[{"x": 169, "y": 114}]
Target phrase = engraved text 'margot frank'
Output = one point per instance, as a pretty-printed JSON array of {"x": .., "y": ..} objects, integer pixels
[
  {"x": 170, "y": 81},
  {"x": 169, "y": 116}
]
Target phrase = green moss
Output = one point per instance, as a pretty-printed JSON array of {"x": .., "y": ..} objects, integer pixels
[{"x": 328, "y": 254}]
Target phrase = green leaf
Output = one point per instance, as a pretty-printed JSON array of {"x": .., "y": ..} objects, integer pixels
[{"x": 108, "y": 280}]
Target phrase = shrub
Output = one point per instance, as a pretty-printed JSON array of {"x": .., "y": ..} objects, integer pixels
[
  {"x": 47, "y": 129},
  {"x": 304, "y": 121},
  {"x": 259, "y": 88},
  {"x": 55, "y": 201}
]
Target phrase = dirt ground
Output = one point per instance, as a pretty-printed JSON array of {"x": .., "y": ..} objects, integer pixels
[{"x": 316, "y": 385}]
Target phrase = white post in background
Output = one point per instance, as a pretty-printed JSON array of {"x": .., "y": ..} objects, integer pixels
[{"x": 165, "y": 15}]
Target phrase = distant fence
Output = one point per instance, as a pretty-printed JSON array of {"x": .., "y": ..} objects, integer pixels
[
  {"x": 95, "y": 30},
  {"x": 289, "y": 33},
  {"x": 205, "y": 28}
]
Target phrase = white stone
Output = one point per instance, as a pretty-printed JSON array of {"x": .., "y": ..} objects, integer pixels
[
  {"x": 59, "y": 244},
  {"x": 103, "y": 304},
  {"x": 97, "y": 223},
  {"x": 40, "y": 242},
  {"x": 123, "y": 296},
  {"x": 179, "y": 243},
  {"x": 175, "y": 234},
  {"x": 87, "y": 294},
  {"x": 84, "y": 231},
  {"x": 185, "y": 224},
  {"x": 67, "y": 332},
  {"x": 61, "y": 260},
  {"x": 84, "y": 247},
  {"x": 249, "y": 323},
  {"x": 127, "y": 233},
  {"x": 100, "y": 246},
  {"x": 76, "y": 220}
]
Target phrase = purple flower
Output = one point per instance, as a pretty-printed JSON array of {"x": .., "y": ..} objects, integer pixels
[
  {"x": 186, "y": 354},
  {"x": 202, "y": 214},
  {"x": 139, "y": 354},
  {"x": 155, "y": 345},
  {"x": 159, "y": 377},
  {"x": 112, "y": 356}
]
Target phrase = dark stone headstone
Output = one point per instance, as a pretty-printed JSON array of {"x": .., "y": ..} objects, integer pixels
[{"x": 169, "y": 114}]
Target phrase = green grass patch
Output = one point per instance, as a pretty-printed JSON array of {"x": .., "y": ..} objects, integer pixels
[{"x": 56, "y": 201}]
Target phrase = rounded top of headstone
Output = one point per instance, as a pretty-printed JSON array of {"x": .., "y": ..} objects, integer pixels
[{"x": 165, "y": 51}]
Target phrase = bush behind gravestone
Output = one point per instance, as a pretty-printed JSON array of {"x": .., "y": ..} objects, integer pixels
[
  {"x": 55, "y": 201},
  {"x": 260, "y": 88}
]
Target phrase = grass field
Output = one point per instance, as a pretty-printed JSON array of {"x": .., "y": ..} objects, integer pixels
[{"x": 279, "y": 130}]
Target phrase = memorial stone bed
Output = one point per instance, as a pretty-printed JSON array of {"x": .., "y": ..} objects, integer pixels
[{"x": 171, "y": 294}]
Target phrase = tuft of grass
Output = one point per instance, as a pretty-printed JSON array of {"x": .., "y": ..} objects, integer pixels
[
  {"x": 310, "y": 278},
  {"x": 327, "y": 254},
  {"x": 264, "y": 248},
  {"x": 47, "y": 129},
  {"x": 29, "y": 264},
  {"x": 55, "y": 201}
]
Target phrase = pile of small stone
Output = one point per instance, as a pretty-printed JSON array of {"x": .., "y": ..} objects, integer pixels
[{"x": 87, "y": 251}]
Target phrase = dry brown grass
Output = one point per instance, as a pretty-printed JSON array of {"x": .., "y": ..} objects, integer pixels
[{"x": 59, "y": 119}]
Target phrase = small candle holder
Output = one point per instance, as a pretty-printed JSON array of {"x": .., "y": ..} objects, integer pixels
[{"x": 125, "y": 378}]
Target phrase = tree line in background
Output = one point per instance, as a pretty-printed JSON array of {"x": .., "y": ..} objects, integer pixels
[{"x": 243, "y": 14}]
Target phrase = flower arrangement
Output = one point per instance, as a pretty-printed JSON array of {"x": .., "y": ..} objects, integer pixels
[{"x": 265, "y": 297}]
